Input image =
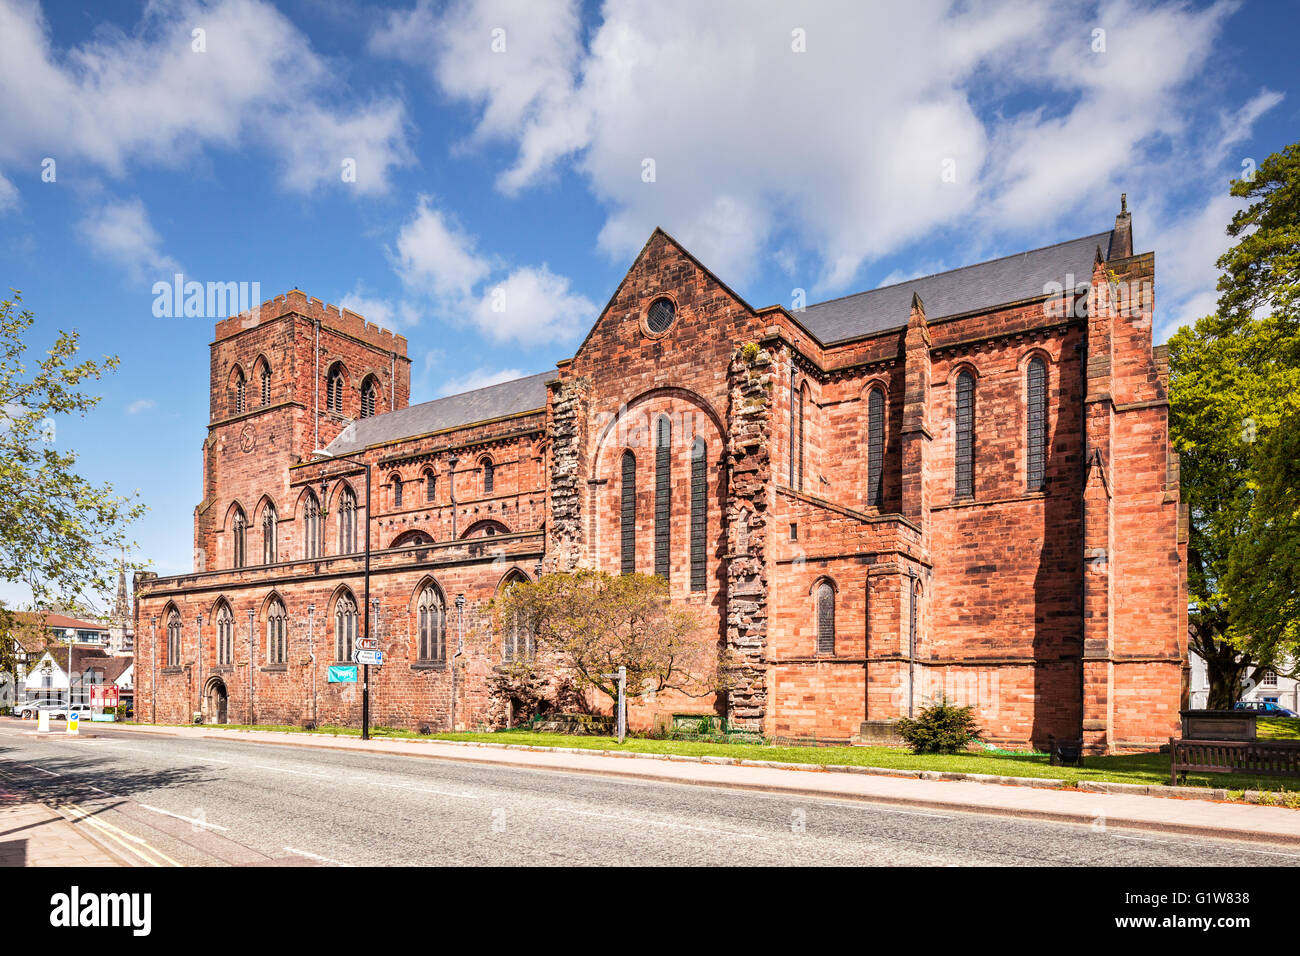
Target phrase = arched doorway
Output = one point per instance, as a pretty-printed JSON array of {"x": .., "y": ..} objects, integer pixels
[{"x": 216, "y": 701}]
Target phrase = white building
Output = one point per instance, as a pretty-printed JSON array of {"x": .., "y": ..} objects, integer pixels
[{"x": 1281, "y": 690}]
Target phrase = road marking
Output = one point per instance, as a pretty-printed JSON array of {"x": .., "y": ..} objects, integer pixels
[
  {"x": 1207, "y": 846},
  {"x": 190, "y": 820},
  {"x": 301, "y": 773},
  {"x": 910, "y": 813},
  {"x": 314, "y": 856},
  {"x": 401, "y": 786},
  {"x": 27, "y": 766},
  {"x": 661, "y": 823},
  {"x": 140, "y": 848}
]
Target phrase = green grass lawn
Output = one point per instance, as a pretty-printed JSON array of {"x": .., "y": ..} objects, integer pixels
[{"x": 1143, "y": 768}]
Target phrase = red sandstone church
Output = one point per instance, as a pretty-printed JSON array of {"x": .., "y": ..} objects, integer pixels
[{"x": 961, "y": 484}]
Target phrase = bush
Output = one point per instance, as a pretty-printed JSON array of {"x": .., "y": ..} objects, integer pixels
[{"x": 941, "y": 728}]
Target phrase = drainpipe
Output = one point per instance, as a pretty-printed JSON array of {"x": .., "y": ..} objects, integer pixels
[
  {"x": 1082, "y": 349},
  {"x": 153, "y": 663},
  {"x": 911, "y": 641},
  {"x": 198, "y": 658},
  {"x": 251, "y": 662},
  {"x": 460, "y": 649},
  {"x": 315, "y": 389},
  {"x": 311, "y": 655}
]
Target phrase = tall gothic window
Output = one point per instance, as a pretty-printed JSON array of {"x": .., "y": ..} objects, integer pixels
[
  {"x": 368, "y": 391},
  {"x": 964, "y": 456},
  {"x": 266, "y": 384},
  {"x": 1036, "y": 424},
  {"x": 225, "y": 636},
  {"x": 311, "y": 526},
  {"x": 397, "y": 491},
  {"x": 517, "y": 640},
  {"x": 627, "y": 514},
  {"x": 875, "y": 447},
  {"x": 239, "y": 538},
  {"x": 347, "y": 522},
  {"x": 489, "y": 475},
  {"x": 663, "y": 494},
  {"x": 334, "y": 390},
  {"x": 430, "y": 485},
  {"x": 431, "y": 613},
  {"x": 239, "y": 392},
  {"x": 173, "y": 638},
  {"x": 345, "y": 628},
  {"x": 269, "y": 522},
  {"x": 825, "y": 618},
  {"x": 276, "y": 633},
  {"x": 699, "y": 515}
]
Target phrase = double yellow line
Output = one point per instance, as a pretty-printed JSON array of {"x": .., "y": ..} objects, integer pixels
[{"x": 151, "y": 855}]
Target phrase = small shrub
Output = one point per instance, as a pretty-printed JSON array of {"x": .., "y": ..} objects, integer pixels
[{"x": 941, "y": 728}]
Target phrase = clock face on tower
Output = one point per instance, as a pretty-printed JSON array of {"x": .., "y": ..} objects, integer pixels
[{"x": 247, "y": 439}]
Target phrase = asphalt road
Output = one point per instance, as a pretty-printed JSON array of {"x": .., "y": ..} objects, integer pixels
[{"x": 165, "y": 801}]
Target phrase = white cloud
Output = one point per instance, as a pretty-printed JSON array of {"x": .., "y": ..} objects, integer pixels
[
  {"x": 149, "y": 97},
  {"x": 531, "y": 305},
  {"x": 831, "y": 158},
  {"x": 436, "y": 257},
  {"x": 383, "y": 312},
  {"x": 479, "y": 378},
  {"x": 140, "y": 405},
  {"x": 8, "y": 194},
  {"x": 120, "y": 231}
]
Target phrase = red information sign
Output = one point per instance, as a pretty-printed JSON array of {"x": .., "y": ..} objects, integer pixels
[{"x": 103, "y": 696}]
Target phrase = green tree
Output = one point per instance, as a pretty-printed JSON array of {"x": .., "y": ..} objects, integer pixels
[
  {"x": 592, "y": 623},
  {"x": 57, "y": 530},
  {"x": 1235, "y": 396}
]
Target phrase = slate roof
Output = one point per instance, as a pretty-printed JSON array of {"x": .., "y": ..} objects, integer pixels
[
  {"x": 985, "y": 284},
  {"x": 481, "y": 404}
]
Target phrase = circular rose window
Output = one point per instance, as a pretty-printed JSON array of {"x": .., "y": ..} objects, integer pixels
[{"x": 660, "y": 317}]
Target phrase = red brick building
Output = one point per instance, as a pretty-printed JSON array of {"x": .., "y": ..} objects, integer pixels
[{"x": 959, "y": 484}]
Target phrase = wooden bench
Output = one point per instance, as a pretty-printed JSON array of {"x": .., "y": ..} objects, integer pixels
[{"x": 1265, "y": 758}]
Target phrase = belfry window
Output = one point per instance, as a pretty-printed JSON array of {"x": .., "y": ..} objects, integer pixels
[
  {"x": 269, "y": 523},
  {"x": 239, "y": 392},
  {"x": 368, "y": 391},
  {"x": 239, "y": 538},
  {"x": 266, "y": 384},
  {"x": 334, "y": 390}
]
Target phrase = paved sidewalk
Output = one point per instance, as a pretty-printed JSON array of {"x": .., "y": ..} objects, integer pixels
[
  {"x": 32, "y": 834},
  {"x": 1190, "y": 816}
]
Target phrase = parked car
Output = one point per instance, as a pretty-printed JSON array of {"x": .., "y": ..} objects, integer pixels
[
  {"x": 1265, "y": 708},
  {"x": 55, "y": 708}
]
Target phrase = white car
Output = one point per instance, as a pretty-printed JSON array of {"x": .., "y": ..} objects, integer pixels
[{"x": 55, "y": 708}]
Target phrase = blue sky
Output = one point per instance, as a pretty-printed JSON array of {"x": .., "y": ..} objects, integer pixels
[{"x": 502, "y": 147}]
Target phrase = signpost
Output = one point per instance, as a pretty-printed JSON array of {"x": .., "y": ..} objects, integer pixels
[
  {"x": 368, "y": 643},
  {"x": 73, "y": 718},
  {"x": 368, "y": 658}
]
